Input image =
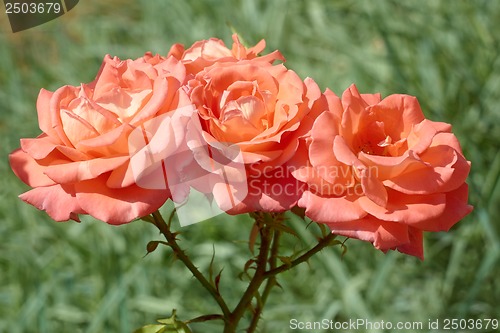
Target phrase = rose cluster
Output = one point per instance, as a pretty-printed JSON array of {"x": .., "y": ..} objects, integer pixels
[{"x": 249, "y": 134}]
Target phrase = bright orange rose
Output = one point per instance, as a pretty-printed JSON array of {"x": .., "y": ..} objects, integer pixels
[
  {"x": 207, "y": 52},
  {"x": 252, "y": 112},
  {"x": 81, "y": 162},
  {"x": 379, "y": 171}
]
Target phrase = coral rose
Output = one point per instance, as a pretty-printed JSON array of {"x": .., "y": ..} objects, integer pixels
[
  {"x": 377, "y": 170},
  {"x": 252, "y": 112},
  {"x": 207, "y": 52},
  {"x": 81, "y": 162}
]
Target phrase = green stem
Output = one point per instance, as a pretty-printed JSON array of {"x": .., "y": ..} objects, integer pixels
[
  {"x": 255, "y": 282},
  {"x": 271, "y": 282},
  {"x": 268, "y": 253},
  {"x": 181, "y": 255},
  {"x": 323, "y": 242}
]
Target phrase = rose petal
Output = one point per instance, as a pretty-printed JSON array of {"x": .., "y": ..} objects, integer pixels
[
  {"x": 78, "y": 171},
  {"x": 118, "y": 206},
  {"x": 58, "y": 201},
  {"x": 413, "y": 210},
  {"x": 415, "y": 246},
  {"x": 373, "y": 188},
  {"x": 28, "y": 170},
  {"x": 456, "y": 208},
  {"x": 398, "y": 113},
  {"x": 276, "y": 191},
  {"x": 321, "y": 149},
  {"x": 331, "y": 209},
  {"x": 383, "y": 235},
  {"x": 44, "y": 113}
]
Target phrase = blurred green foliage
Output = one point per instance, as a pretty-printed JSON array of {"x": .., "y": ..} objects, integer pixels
[{"x": 92, "y": 277}]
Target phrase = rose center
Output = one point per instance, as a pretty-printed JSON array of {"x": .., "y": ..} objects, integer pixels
[{"x": 373, "y": 140}]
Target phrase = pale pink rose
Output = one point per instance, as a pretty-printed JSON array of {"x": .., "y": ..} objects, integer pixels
[
  {"x": 207, "y": 52},
  {"x": 379, "y": 171},
  {"x": 251, "y": 112},
  {"x": 80, "y": 164}
]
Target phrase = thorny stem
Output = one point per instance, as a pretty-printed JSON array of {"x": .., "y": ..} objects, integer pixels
[
  {"x": 255, "y": 282},
  {"x": 271, "y": 282},
  {"x": 268, "y": 254},
  {"x": 165, "y": 230},
  {"x": 322, "y": 243}
]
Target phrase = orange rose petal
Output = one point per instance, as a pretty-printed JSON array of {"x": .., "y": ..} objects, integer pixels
[
  {"x": 109, "y": 144},
  {"x": 383, "y": 235},
  {"x": 299, "y": 164},
  {"x": 447, "y": 139},
  {"x": 122, "y": 176},
  {"x": 211, "y": 49},
  {"x": 387, "y": 167},
  {"x": 334, "y": 106},
  {"x": 371, "y": 99},
  {"x": 291, "y": 87},
  {"x": 44, "y": 113},
  {"x": 373, "y": 188},
  {"x": 456, "y": 208},
  {"x": 408, "y": 209},
  {"x": 290, "y": 142},
  {"x": 415, "y": 246},
  {"x": 420, "y": 136},
  {"x": 425, "y": 180},
  {"x": 321, "y": 147},
  {"x": 39, "y": 147},
  {"x": 76, "y": 128},
  {"x": 345, "y": 155},
  {"x": 118, "y": 206},
  {"x": 78, "y": 171},
  {"x": 445, "y": 171},
  {"x": 171, "y": 67},
  {"x": 271, "y": 57},
  {"x": 327, "y": 209},
  {"x": 176, "y": 51},
  {"x": 61, "y": 97},
  {"x": 159, "y": 98},
  {"x": 28, "y": 170},
  {"x": 303, "y": 171},
  {"x": 270, "y": 193},
  {"x": 240, "y": 51},
  {"x": 398, "y": 113},
  {"x": 58, "y": 201},
  {"x": 354, "y": 108}
]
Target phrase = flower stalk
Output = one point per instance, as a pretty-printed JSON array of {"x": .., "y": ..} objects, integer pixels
[{"x": 264, "y": 278}]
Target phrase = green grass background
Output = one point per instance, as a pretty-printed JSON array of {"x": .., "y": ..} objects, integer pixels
[{"x": 92, "y": 277}]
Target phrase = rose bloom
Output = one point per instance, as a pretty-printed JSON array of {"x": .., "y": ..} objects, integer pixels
[
  {"x": 377, "y": 170},
  {"x": 80, "y": 164},
  {"x": 205, "y": 53},
  {"x": 253, "y": 113}
]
